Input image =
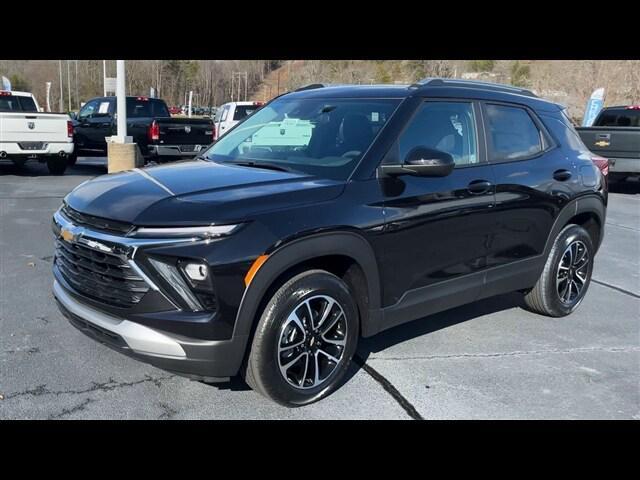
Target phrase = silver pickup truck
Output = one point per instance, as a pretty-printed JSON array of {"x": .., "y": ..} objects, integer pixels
[
  {"x": 615, "y": 134},
  {"x": 26, "y": 133}
]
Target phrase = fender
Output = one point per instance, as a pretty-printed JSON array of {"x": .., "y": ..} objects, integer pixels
[
  {"x": 286, "y": 256},
  {"x": 592, "y": 203}
]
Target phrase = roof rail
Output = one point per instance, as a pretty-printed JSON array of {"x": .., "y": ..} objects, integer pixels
[
  {"x": 311, "y": 86},
  {"x": 499, "y": 87}
]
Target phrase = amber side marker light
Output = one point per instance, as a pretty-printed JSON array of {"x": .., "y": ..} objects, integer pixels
[{"x": 254, "y": 269}]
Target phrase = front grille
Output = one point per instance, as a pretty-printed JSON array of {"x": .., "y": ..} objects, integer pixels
[
  {"x": 100, "y": 276},
  {"x": 96, "y": 223}
]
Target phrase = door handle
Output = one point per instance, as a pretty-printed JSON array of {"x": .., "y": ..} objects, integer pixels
[
  {"x": 562, "y": 175},
  {"x": 478, "y": 187}
]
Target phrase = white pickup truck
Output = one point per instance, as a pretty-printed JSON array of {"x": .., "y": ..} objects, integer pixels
[{"x": 27, "y": 133}]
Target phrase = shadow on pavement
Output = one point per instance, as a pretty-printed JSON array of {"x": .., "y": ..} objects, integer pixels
[
  {"x": 35, "y": 169},
  {"x": 629, "y": 187}
]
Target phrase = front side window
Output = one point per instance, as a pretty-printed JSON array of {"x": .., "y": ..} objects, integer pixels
[
  {"x": 225, "y": 112},
  {"x": 88, "y": 110},
  {"x": 513, "y": 134},
  {"x": 446, "y": 126},
  {"x": 323, "y": 137}
]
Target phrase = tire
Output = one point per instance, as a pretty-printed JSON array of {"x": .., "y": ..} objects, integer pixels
[
  {"x": 56, "y": 165},
  {"x": 72, "y": 159},
  {"x": 19, "y": 162},
  {"x": 264, "y": 369},
  {"x": 545, "y": 297}
]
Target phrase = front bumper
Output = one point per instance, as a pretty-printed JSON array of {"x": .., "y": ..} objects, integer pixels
[
  {"x": 198, "y": 359},
  {"x": 175, "y": 150}
]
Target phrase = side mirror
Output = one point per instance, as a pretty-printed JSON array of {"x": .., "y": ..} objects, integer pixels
[{"x": 423, "y": 162}]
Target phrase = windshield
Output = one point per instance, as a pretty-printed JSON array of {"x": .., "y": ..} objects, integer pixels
[{"x": 322, "y": 137}]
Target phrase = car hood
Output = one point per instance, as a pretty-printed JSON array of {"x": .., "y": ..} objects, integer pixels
[{"x": 197, "y": 193}]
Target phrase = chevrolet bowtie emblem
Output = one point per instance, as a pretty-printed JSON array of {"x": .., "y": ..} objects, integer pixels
[
  {"x": 67, "y": 235},
  {"x": 603, "y": 143}
]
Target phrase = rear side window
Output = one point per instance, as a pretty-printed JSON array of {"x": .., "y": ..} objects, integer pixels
[
  {"x": 242, "y": 111},
  {"x": 13, "y": 103},
  {"x": 513, "y": 133},
  {"x": 618, "y": 117}
]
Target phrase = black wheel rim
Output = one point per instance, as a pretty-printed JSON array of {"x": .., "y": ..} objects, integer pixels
[
  {"x": 573, "y": 269},
  {"x": 312, "y": 342}
]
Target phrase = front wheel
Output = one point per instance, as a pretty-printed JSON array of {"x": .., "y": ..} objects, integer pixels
[
  {"x": 305, "y": 340},
  {"x": 566, "y": 275}
]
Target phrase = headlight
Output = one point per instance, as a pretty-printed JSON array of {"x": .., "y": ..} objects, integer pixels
[{"x": 210, "y": 231}]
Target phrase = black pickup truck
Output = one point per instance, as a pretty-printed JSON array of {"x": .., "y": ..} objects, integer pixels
[
  {"x": 159, "y": 135},
  {"x": 615, "y": 134}
]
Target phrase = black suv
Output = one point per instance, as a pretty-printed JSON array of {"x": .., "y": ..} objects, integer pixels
[{"x": 333, "y": 212}]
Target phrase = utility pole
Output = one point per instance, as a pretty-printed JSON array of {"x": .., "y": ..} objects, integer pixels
[
  {"x": 61, "y": 91},
  {"x": 278, "y": 92},
  {"x": 69, "y": 84},
  {"x": 77, "y": 96},
  {"x": 122, "y": 152}
]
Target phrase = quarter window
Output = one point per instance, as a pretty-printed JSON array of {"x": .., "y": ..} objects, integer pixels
[
  {"x": 514, "y": 135},
  {"x": 446, "y": 126}
]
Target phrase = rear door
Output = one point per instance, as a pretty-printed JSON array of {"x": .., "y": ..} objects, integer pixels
[{"x": 534, "y": 180}]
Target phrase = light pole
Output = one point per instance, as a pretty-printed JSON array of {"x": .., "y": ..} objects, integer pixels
[
  {"x": 121, "y": 102},
  {"x": 104, "y": 76}
]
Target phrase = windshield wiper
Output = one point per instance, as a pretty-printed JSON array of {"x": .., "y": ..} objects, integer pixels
[{"x": 268, "y": 166}]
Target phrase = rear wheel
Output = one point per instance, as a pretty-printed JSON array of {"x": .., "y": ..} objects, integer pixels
[
  {"x": 566, "y": 275},
  {"x": 72, "y": 159},
  {"x": 305, "y": 340},
  {"x": 56, "y": 165}
]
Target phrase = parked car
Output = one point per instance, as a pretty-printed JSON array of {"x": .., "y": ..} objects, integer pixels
[
  {"x": 330, "y": 214},
  {"x": 159, "y": 135},
  {"x": 233, "y": 112},
  {"x": 615, "y": 134},
  {"x": 175, "y": 110},
  {"x": 26, "y": 133}
]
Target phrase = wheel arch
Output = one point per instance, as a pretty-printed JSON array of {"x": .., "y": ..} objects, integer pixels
[
  {"x": 588, "y": 212},
  {"x": 331, "y": 250}
]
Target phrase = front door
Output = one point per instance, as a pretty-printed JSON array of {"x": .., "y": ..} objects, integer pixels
[{"x": 437, "y": 229}]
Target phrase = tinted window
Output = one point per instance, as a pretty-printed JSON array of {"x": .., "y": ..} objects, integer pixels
[
  {"x": 618, "y": 117},
  {"x": 324, "y": 137},
  {"x": 89, "y": 109},
  {"x": 138, "y": 108},
  {"x": 242, "y": 111},
  {"x": 446, "y": 126},
  {"x": 160, "y": 109},
  {"x": 13, "y": 103},
  {"x": 513, "y": 133},
  {"x": 27, "y": 104}
]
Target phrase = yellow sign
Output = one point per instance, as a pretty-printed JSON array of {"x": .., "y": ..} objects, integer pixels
[{"x": 602, "y": 143}]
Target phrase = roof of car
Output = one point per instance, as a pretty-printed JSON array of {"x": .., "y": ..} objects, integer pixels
[{"x": 430, "y": 87}]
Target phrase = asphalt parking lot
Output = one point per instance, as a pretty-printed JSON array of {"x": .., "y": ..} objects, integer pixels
[{"x": 488, "y": 360}]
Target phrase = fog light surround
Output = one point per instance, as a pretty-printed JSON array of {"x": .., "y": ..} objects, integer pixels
[{"x": 197, "y": 272}]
